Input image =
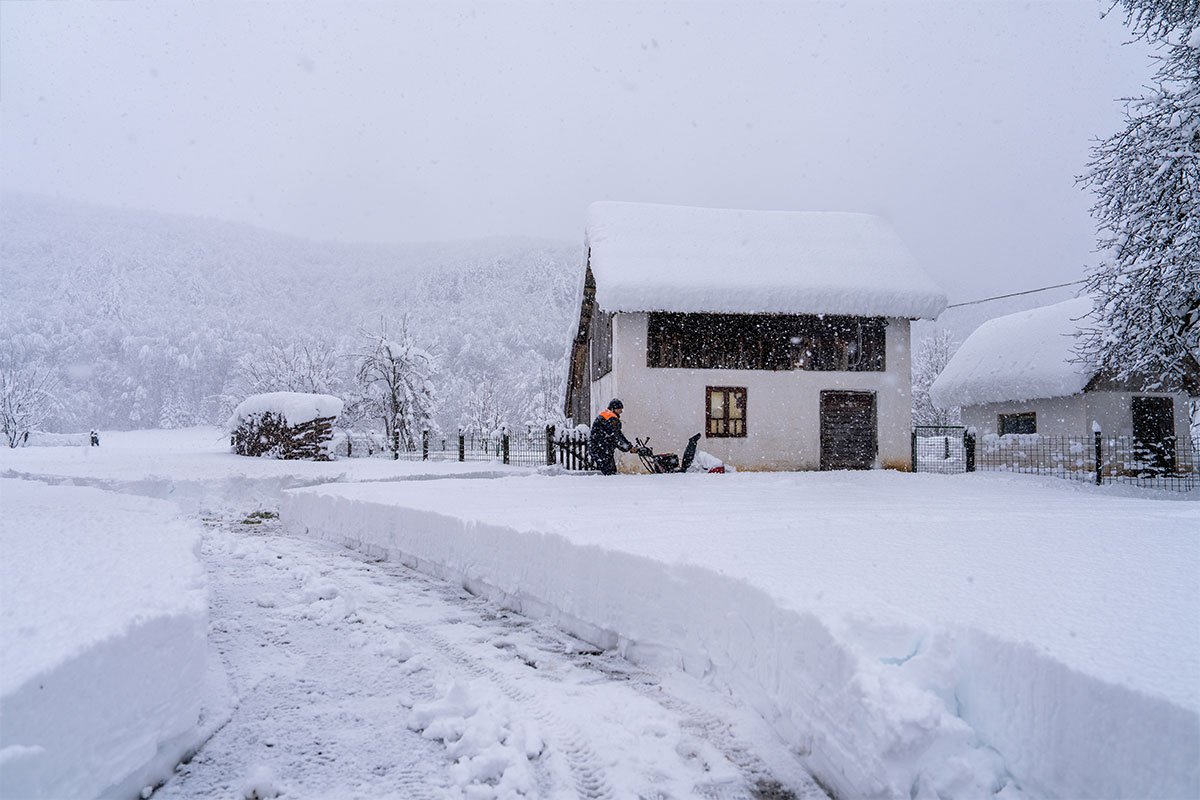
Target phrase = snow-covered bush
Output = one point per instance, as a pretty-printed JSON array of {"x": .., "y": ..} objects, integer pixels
[
  {"x": 28, "y": 397},
  {"x": 395, "y": 378},
  {"x": 931, "y": 357},
  {"x": 286, "y": 425},
  {"x": 308, "y": 365}
]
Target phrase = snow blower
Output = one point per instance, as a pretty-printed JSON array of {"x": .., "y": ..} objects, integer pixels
[{"x": 660, "y": 463}]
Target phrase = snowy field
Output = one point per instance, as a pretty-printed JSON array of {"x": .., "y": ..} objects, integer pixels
[
  {"x": 194, "y": 468},
  {"x": 903, "y": 635},
  {"x": 335, "y": 675},
  {"x": 957, "y": 635},
  {"x": 103, "y": 617}
]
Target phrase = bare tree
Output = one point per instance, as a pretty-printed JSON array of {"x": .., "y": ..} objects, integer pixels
[
  {"x": 395, "y": 380},
  {"x": 544, "y": 394},
  {"x": 486, "y": 407},
  {"x": 294, "y": 366},
  {"x": 931, "y": 357},
  {"x": 28, "y": 397}
]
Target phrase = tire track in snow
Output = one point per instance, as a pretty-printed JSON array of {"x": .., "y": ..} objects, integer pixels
[
  {"x": 591, "y": 782},
  {"x": 312, "y": 705},
  {"x": 720, "y": 734},
  {"x": 759, "y": 781},
  {"x": 380, "y": 603},
  {"x": 383, "y": 592}
]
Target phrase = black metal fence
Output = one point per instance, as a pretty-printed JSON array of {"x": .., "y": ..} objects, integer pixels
[
  {"x": 531, "y": 447},
  {"x": 1172, "y": 464}
]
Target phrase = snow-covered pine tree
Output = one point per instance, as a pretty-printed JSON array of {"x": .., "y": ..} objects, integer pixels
[
  {"x": 395, "y": 378},
  {"x": 930, "y": 358},
  {"x": 1146, "y": 178},
  {"x": 175, "y": 412}
]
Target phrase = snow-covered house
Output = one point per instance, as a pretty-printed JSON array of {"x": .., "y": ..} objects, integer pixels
[
  {"x": 1018, "y": 374},
  {"x": 782, "y": 336}
]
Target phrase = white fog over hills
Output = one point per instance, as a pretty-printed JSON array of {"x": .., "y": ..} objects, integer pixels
[{"x": 146, "y": 315}]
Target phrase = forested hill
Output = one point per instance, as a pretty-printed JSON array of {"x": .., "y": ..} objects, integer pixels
[{"x": 147, "y": 316}]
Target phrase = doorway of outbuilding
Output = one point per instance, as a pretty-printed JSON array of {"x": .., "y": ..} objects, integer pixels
[
  {"x": 1154, "y": 431},
  {"x": 849, "y": 430}
]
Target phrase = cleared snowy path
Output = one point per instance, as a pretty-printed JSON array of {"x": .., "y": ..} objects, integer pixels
[{"x": 367, "y": 679}]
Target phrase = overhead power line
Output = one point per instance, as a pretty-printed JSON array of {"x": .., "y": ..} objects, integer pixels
[{"x": 1015, "y": 294}]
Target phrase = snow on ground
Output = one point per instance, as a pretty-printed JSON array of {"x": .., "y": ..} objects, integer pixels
[
  {"x": 103, "y": 614},
  {"x": 362, "y": 679},
  {"x": 905, "y": 634},
  {"x": 194, "y": 469},
  {"x": 910, "y": 634},
  {"x": 348, "y": 678}
]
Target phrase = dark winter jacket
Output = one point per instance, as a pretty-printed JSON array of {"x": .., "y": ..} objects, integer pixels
[{"x": 606, "y": 437}]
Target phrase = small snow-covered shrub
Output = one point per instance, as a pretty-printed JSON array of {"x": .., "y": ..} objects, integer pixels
[{"x": 287, "y": 425}]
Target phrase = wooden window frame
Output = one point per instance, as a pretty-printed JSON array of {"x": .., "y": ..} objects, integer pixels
[
  {"x": 727, "y": 424},
  {"x": 1015, "y": 416},
  {"x": 766, "y": 342}
]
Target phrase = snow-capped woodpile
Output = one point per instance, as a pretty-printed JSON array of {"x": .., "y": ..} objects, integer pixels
[{"x": 286, "y": 425}]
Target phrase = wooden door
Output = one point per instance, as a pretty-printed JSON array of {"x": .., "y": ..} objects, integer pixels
[
  {"x": 1154, "y": 431},
  {"x": 849, "y": 431}
]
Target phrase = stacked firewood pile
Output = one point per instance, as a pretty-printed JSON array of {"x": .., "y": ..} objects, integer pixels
[{"x": 268, "y": 435}]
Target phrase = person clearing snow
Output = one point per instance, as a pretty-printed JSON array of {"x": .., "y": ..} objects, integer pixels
[{"x": 606, "y": 438}]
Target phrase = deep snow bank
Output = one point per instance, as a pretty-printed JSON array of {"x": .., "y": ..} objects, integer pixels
[
  {"x": 103, "y": 624},
  {"x": 910, "y": 635}
]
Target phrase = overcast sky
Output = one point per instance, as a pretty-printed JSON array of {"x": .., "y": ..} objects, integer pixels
[{"x": 964, "y": 123}]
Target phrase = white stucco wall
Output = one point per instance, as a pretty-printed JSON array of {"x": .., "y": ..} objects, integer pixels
[
  {"x": 1056, "y": 416},
  {"x": 782, "y": 408},
  {"x": 1114, "y": 411},
  {"x": 1073, "y": 416}
]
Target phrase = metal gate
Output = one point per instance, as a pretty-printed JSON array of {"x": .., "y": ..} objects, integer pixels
[{"x": 939, "y": 448}]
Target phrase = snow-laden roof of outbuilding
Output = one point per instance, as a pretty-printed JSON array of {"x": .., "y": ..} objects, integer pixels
[
  {"x": 296, "y": 407},
  {"x": 648, "y": 257},
  {"x": 1024, "y": 356}
]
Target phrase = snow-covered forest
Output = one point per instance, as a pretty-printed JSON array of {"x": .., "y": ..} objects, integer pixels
[{"x": 149, "y": 320}]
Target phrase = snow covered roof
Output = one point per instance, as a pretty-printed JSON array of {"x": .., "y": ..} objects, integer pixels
[
  {"x": 296, "y": 407},
  {"x": 648, "y": 257},
  {"x": 1022, "y": 356}
]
